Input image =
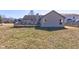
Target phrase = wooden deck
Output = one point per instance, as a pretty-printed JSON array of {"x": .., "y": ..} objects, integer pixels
[{"x": 25, "y": 25}]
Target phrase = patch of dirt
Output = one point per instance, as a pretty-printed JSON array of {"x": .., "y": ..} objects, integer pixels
[
  {"x": 72, "y": 28},
  {"x": 6, "y": 25}
]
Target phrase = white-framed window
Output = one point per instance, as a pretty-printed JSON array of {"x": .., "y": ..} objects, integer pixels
[{"x": 61, "y": 21}]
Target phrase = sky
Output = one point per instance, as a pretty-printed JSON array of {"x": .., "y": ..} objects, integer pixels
[
  {"x": 39, "y": 4},
  {"x": 21, "y": 13},
  {"x": 19, "y": 8}
]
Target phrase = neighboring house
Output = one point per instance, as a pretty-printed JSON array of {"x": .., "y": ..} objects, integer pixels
[
  {"x": 28, "y": 20},
  {"x": 7, "y": 20},
  {"x": 31, "y": 19},
  {"x": 70, "y": 18},
  {"x": 52, "y": 19}
]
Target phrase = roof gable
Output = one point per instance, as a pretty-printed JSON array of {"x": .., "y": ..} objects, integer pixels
[{"x": 54, "y": 12}]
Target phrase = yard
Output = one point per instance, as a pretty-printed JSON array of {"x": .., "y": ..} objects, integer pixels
[{"x": 35, "y": 38}]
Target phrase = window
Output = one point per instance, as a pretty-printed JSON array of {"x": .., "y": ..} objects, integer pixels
[
  {"x": 45, "y": 20},
  {"x": 60, "y": 21}
]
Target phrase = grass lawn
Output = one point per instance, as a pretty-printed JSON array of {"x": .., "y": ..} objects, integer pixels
[{"x": 38, "y": 38}]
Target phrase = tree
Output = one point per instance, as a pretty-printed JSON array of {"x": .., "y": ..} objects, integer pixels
[{"x": 0, "y": 20}]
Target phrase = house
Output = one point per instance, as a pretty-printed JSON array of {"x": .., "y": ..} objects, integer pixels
[
  {"x": 7, "y": 20},
  {"x": 51, "y": 19},
  {"x": 71, "y": 18},
  {"x": 31, "y": 19},
  {"x": 27, "y": 20}
]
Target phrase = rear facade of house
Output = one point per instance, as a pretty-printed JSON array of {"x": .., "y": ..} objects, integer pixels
[{"x": 52, "y": 19}]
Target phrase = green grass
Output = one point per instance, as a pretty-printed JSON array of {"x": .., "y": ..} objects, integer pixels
[{"x": 38, "y": 38}]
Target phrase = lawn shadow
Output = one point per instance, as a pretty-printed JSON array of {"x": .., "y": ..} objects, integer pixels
[
  {"x": 42, "y": 28},
  {"x": 50, "y": 28}
]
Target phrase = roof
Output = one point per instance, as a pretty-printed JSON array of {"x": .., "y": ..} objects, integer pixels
[
  {"x": 55, "y": 12},
  {"x": 29, "y": 17}
]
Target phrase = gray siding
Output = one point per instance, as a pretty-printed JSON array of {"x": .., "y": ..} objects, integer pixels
[{"x": 52, "y": 20}]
